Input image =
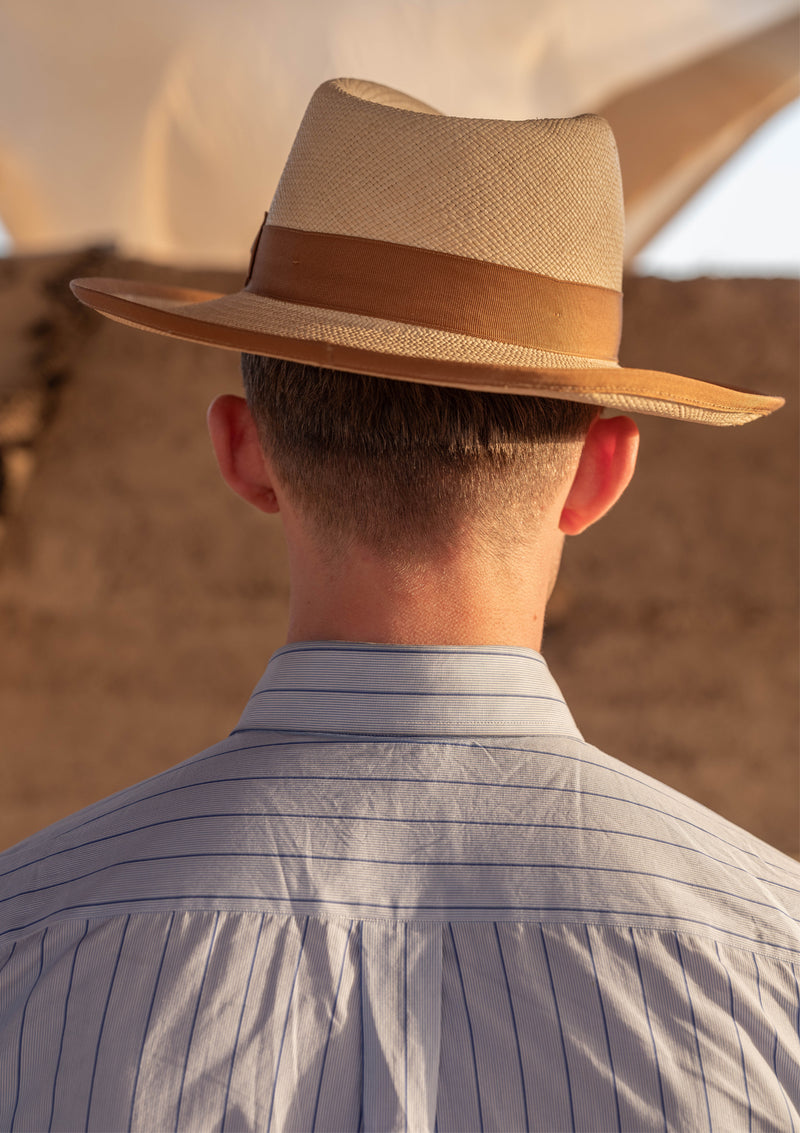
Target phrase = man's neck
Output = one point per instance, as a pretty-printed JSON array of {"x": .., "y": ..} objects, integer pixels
[{"x": 463, "y": 600}]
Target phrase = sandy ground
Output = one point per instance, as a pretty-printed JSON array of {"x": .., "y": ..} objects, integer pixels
[{"x": 140, "y": 600}]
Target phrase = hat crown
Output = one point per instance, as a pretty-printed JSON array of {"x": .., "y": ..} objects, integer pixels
[{"x": 541, "y": 195}]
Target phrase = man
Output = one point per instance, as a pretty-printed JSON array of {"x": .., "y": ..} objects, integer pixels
[{"x": 405, "y": 893}]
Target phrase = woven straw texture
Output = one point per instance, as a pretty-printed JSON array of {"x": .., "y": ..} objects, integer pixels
[
  {"x": 668, "y": 395},
  {"x": 543, "y": 195},
  {"x": 291, "y": 320}
]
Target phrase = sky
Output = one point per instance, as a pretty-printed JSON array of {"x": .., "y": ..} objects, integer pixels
[{"x": 745, "y": 220}]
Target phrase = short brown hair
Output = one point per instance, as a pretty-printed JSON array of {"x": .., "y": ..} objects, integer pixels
[{"x": 399, "y": 466}]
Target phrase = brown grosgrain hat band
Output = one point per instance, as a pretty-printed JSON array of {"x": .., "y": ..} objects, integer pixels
[
  {"x": 475, "y": 253},
  {"x": 435, "y": 289}
]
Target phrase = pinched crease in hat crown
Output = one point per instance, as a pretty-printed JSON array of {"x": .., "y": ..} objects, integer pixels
[{"x": 540, "y": 195}]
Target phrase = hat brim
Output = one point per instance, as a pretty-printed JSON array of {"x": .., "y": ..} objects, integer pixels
[{"x": 253, "y": 324}]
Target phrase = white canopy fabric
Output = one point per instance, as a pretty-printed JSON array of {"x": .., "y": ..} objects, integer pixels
[{"x": 163, "y": 125}]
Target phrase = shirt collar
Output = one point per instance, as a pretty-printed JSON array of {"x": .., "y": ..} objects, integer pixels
[{"x": 364, "y": 689}]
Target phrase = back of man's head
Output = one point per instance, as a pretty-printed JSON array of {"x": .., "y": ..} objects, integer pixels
[{"x": 404, "y": 468}]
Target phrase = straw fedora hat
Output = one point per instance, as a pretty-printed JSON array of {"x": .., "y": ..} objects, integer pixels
[{"x": 465, "y": 252}]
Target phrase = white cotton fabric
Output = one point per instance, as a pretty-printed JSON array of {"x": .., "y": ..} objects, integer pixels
[
  {"x": 164, "y": 126},
  {"x": 404, "y": 894}
]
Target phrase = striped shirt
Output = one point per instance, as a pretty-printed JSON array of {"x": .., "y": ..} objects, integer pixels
[{"x": 404, "y": 893}]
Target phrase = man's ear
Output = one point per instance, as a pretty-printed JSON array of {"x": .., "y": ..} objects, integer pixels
[
  {"x": 241, "y": 460},
  {"x": 604, "y": 472}
]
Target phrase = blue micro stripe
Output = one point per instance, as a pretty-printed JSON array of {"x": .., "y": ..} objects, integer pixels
[
  {"x": 774, "y": 1045},
  {"x": 605, "y": 1025},
  {"x": 216, "y": 814},
  {"x": 146, "y": 1030},
  {"x": 469, "y": 1026},
  {"x": 330, "y": 1027},
  {"x": 434, "y": 863},
  {"x": 732, "y": 1010},
  {"x": 448, "y": 742},
  {"x": 405, "y": 1023},
  {"x": 560, "y": 1027},
  {"x": 22, "y": 1028},
  {"x": 286, "y": 1024},
  {"x": 694, "y": 1029},
  {"x": 64, "y": 1023},
  {"x": 416, "y": 650},
  {"x": 514, "y": 1024},
  {"x": 365, "y": 818},
  {"x": 398, "y": 906},
  {"x": 239, "y": 1025},
  {"x": 194, "y": 1019},
  {"x": 8, "y": 958},
  {"x": 416, "y": 693},
  {"x": 105, "y": 1015},
  {"x": 650, "y": 1028}
]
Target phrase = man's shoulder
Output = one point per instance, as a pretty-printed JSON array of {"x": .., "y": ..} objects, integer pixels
[
  {"x": 35, "y": 872},
  {"x": 536, "y": 827}
]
